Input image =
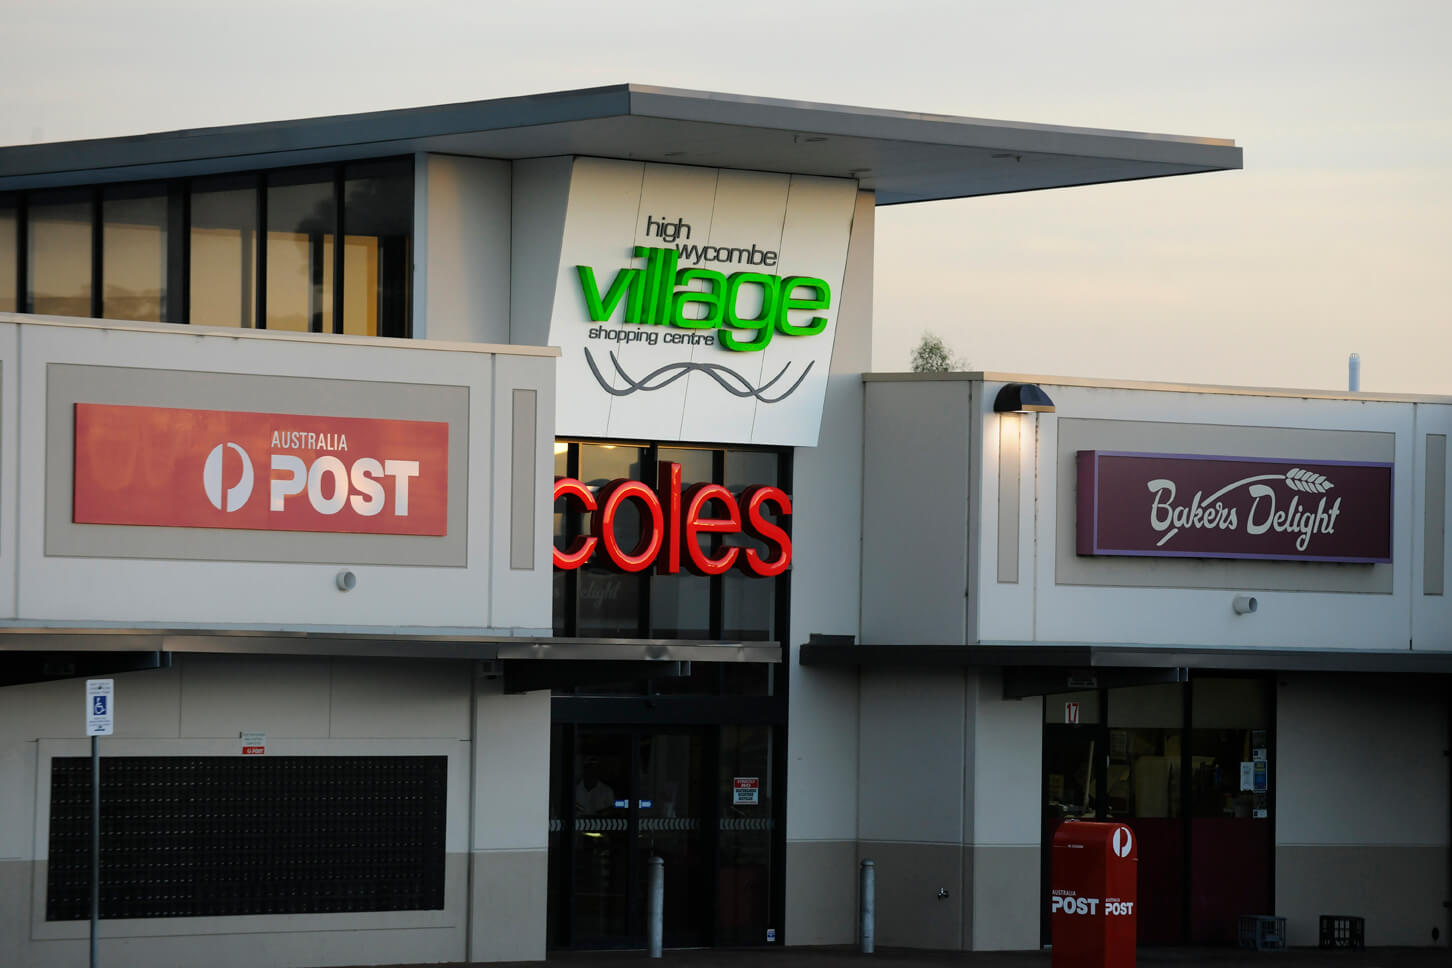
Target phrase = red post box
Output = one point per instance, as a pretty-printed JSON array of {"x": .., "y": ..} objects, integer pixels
[{"x": 1093, "y": 895}]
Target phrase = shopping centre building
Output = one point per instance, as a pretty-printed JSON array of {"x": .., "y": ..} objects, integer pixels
[{"x": 472, "y": 502}]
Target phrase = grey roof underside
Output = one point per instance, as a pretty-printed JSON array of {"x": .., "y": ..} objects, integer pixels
[{"x": 902, "y": 156}]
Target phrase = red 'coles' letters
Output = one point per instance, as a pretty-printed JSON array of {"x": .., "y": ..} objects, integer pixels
[{"x": 672, "y": 523}]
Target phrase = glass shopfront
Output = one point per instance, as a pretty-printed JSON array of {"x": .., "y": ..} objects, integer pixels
[
  {"x": 1187, "y": 766},
  {"x": 686, "y": 767}
]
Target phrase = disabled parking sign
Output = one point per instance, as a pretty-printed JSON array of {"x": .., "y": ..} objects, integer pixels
[{"x": 100, "y": 707}]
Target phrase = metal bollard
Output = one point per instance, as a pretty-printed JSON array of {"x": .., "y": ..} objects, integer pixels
[
  {"x": 655, "y": 906},
  {"x": 869, "y": 906}
]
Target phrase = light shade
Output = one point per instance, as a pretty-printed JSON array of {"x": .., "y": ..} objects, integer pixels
[{"x": 1022, "y": 398}]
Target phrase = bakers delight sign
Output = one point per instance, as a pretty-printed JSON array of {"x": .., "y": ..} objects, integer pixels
[
  {"x": 174, "y": 468},
  {"x": 1185, "y": 505}
]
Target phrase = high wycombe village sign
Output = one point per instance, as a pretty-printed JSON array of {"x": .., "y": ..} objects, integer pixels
[
  {"x": 698, "y": 303},
  {"x": 1186, "y": 505}
]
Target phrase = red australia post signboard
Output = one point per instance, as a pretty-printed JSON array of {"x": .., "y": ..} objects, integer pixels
[
  {"x": 166, "y": 467},
  {"x": 1187, "y": 505}
]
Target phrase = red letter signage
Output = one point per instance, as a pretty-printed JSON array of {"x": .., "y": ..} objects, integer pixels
[{"x": 674, "y": 522}]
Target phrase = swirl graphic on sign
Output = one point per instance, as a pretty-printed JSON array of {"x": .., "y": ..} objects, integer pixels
[{"x": 730, "y": 381}]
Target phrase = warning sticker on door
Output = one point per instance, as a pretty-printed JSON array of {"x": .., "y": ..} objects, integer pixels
[{"x": 745, "y": 791}]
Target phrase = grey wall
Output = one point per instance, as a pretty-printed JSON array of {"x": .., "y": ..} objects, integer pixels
[
  {"x": 949, "y": 801},
  {"x": 916, "y": 496},
  {"x": 1362, "y": 805},
  {"x": 461, "y": 249},
  {"x": 541, "y": 195},
  {"x": 826, "y": 538}
]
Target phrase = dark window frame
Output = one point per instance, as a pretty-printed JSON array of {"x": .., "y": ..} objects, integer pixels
[{"x": 178, "y": 191}]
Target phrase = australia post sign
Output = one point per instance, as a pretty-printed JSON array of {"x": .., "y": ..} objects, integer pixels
[
  {"x": 165, "y": 467},
  {"x": 698, "y": 303},
  {"x": 1185, "y": 505}
]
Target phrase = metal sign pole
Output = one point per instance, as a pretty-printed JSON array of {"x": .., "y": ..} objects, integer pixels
[
  {"x": 100, "y": 721},
  {"x": 95, "y": 841}
]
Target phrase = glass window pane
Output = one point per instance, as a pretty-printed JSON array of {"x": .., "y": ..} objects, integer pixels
[
  {"x": 744, "y": 787},
  {"x": 1229, "y": 747},
  {"x": 1069, "y": 753},
  {"x": 9, "y": 244},
  {"x": 133, "y": 252},
  {"x": 224, "y": 252},
  {"x": 1146, "y": 738},
  {"x": 300, "y": 225},
  {"x": 59, "y": 273},
  {"x": 1230, "y": 703},
  {"x": 749, "y": 601},
  {"x": 378, "y": 224},
  {"x": 680, "y": 604},
  {"x": 609, "y": 601}
]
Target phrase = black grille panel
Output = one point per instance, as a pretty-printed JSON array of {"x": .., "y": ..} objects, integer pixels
[{"x": 213, "y": 835}]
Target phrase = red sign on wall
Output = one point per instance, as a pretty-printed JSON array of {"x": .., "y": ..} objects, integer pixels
[
  {"x": 1186, "y": 505},
  {"x": 172, "y": 468}
]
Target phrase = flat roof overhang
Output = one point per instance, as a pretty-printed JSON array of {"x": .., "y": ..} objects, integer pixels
[
  {"x": 524, "y": 662},
  {"x": 902, "y": 156},
  {"x": 1031, "y": 670}
]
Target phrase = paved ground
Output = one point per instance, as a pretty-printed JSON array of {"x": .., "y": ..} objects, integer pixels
[{"x": 911, "y": 958}]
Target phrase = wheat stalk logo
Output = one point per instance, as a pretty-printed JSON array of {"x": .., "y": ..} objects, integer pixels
[{"x": 1298, "y": 479}]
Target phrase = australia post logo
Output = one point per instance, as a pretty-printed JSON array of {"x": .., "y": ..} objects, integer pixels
[
  {"x": 1221, "y": 507},
  {"x": 164, "y": 467}
]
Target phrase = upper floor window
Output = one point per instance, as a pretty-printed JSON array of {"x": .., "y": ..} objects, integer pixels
[{"x": 258, "y": 249}]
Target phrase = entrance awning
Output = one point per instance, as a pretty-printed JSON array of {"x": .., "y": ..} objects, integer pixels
[
  {"x": 1031, "y": 670},
  {"x": 524, "y": 662}
]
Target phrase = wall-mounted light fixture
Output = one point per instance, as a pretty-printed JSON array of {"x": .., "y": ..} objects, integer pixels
[
  {"x": 1244, "y": 604},
  {"x": 1022, "y": 398}
]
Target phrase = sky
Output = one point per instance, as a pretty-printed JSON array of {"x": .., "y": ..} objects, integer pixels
[{"x": 1335, "y": 238}]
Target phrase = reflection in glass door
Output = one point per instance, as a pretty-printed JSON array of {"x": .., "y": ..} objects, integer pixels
[
  {"x": 632, "y": 793},
  {"x": 699, "y": 797}
]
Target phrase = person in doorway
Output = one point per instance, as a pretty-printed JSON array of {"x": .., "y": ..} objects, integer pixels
[{"x": 593, "y": 796}]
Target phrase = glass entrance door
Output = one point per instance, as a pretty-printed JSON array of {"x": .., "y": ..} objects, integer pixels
[
  {"x": 1188, "y": 768},
  {"x": 623, "y": 795}
]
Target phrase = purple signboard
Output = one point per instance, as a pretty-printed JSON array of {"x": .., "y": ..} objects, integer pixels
[{"x": 1192, "y": 506}]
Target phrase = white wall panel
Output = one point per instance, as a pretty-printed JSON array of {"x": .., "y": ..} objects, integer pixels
[
  {"x": 139, "y": 591},
  {"x": 1304, "y": 618}
]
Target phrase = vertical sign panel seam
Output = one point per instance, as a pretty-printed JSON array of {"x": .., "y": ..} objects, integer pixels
[
  {"x": 521, "y": 480},
  {"x": 1434, "y": 513}
]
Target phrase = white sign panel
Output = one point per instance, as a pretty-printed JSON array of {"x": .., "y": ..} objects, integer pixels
[
  {"x": 253, "y": 744},
  {"x": 100, "y": 707},
  {"x": 698, "y": 303},
  {"x": 745, "y": 790}
]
